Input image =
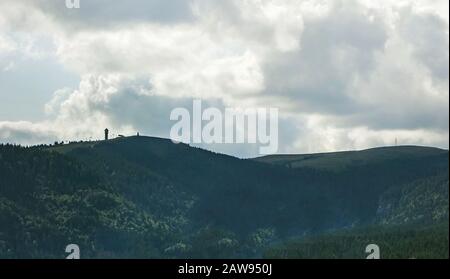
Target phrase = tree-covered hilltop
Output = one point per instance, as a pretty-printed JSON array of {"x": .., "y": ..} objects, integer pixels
[
  {"x": 341, "y": 161},
  {"x": 143, "y": 197},
  {"x": 48, "y": 201}
]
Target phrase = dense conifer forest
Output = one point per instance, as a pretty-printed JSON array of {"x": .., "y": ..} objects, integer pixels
[{"x": 141, "y": 197}]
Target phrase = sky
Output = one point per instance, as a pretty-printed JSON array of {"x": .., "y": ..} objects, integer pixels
[{"x": 345, "y": 74}]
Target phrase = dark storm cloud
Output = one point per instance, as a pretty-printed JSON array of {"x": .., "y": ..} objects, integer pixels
[
  {"x": 333, "y": 51},
  {"x": 428, "y": 35}
]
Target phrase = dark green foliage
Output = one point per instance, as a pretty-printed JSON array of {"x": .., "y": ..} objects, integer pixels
[
  {"x": 145, "y": 197},
  {"x": 423, "y": 201},
  {"x": 48, "y": 200},
  {"x": 404, "y": 242}
]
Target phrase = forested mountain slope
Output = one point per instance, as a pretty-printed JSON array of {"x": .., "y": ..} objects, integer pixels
[{"x": 148, "y": 197}]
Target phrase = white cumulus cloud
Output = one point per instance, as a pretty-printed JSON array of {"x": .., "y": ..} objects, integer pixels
[{"x": 345, "y": 74}]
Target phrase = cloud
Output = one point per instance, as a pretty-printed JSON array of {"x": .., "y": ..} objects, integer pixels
[
  {"x": 429, "y": 41},
  {"x": 26, "y": 133},
  {"x": 335, "y": 49},
  {"x": 106, "y": 14},
  {"x": 320, "y": 134},
  {"x": 6, "y": 45},
  {"x": 180, "y": 61},
  {"x": 345, "y": 74}
]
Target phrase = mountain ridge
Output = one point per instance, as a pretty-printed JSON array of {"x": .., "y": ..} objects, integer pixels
[{"x": 181, "y": 201}]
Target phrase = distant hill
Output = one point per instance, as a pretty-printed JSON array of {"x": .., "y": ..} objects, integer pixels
[
  {"x": 148, "y": 197},
  {"x": 338, "y": 161}
]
